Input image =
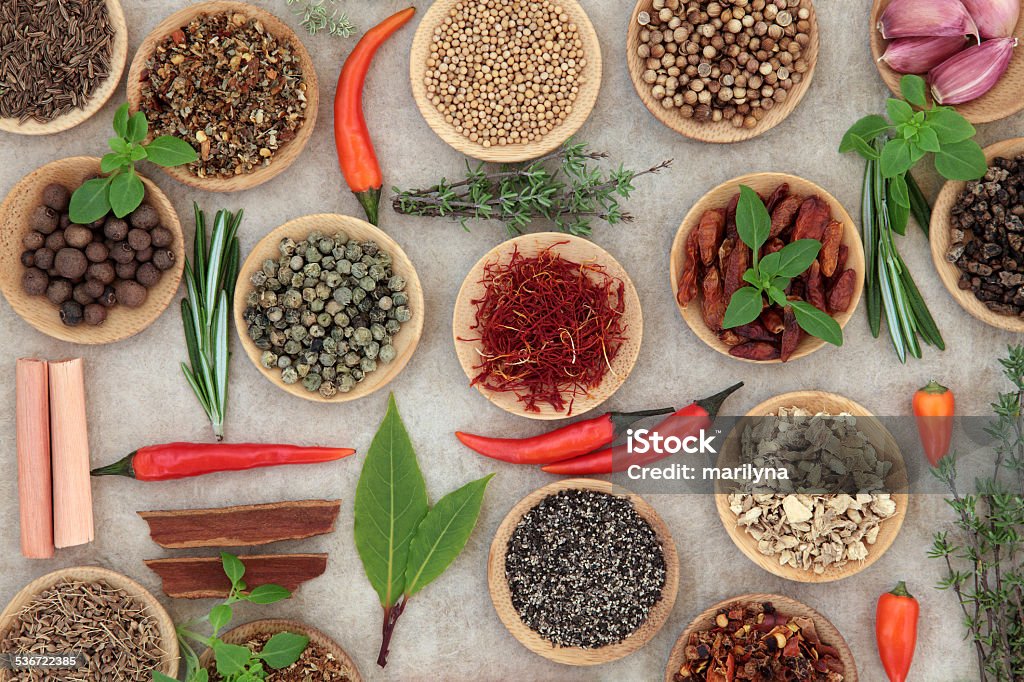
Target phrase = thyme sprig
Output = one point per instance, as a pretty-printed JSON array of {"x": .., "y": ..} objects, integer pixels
[
  {"x": 563, "y": 188},
  {"x": 985, "y": 555},
  {"x": 322, "y": 15}
]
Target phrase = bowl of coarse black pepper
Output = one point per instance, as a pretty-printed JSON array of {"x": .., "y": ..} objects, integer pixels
[
  {"x": 244, "y": 139},
  {"x": 967, "y": 232},
  {"x": 722, "y": 70},
  {"x": 582, "y": 572}
]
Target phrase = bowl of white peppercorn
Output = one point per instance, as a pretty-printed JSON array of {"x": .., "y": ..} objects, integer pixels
[
  {"x": 722, "y": 70},
  {"x": 328, "y": 307}
]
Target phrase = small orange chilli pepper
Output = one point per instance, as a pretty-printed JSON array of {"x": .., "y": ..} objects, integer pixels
[
  {"x": 896, "y": 631},
  {"x": 934, "y": 407}
]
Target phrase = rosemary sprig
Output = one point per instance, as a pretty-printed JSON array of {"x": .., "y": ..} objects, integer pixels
[
  {"x": 985, "y": 555},
  {"x": 322, "y": 15},
  {"x": 210, "y": 282},
  {"x": 562, "y": 188}
]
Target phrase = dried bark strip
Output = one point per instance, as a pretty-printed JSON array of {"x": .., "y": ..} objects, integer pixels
[
  {"x": 203, "y": 577},
  {"x": 242, "y": 526}
]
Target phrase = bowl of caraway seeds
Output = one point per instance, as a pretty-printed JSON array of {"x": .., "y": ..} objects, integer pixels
[
  {"x": 233, "y": 81},
  {"x": 505, "y": 81},
  {"x": 583, "y": 573},
  {"x": 328, "y": 308},
  {"x": 114, "y": 626},
  {"x": 59, "y": 62}
]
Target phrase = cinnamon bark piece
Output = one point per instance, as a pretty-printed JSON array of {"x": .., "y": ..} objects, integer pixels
[
  {"x": 242, "y": 526},
  {"x": 203, "y": 577}
]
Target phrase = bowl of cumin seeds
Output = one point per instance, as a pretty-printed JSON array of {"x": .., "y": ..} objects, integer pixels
[{"x": 59, "y": 62}]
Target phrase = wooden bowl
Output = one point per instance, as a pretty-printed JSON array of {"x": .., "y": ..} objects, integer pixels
[
  {"x": 722, "y": 131},
  {"x": 288, "y": 152},
  {"x": 118, "y": 57},
  {"x": 589, "y": 86},
  {"x": 788, "y": 607},
  {"x": 121, "y": 321},
  {"x": 880, "y": 438},
  {"x": 243, "y": 633},
  {"x": 406, "y": 339},
  {"x": 571, "y": 248},
  {"x": 763, "y": 183},
  {"x": 1001, "y": 101},
  {"x": 168, "y": 635},
  {"x": 501, "y": 595},
  {"x": 939, "y": 229}
]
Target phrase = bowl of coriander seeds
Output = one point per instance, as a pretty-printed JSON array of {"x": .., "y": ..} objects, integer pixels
[{"x": 722, "y": 70}]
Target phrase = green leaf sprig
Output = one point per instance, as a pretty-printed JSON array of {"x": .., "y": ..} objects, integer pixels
[
  {"x": 769, "y": 276},
  {"x": 403, "y": 542},
  {"x": 121, "y": 190},
  {"x": 236, "y": 663}
]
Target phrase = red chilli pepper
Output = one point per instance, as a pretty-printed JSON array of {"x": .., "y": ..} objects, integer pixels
[
  {"x": 934, "y": 407},
  {"x": 688, "y": 421},
  {"x": 181, "y": 460},
  {"x": 358, "y": 160},
  {"x": 896, "y": 631},
  {"x": 563, "y": 443}
]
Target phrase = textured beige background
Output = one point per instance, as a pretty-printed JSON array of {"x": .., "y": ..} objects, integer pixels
[{"x": 137, "y": 395}]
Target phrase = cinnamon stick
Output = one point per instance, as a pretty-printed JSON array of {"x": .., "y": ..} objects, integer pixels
[
  {"x": 242, "y": 526},
  {"x": 203, "y": 577},
  {"x": 35, "y": 498},
  {"x": 69, "y": 444}
]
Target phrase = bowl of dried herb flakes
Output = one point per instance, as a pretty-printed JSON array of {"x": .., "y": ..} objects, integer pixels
[
  {"x": 247, "y": 100},
  {"x": 582, "y": 572}
]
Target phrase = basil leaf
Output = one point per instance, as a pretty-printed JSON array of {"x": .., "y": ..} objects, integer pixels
[
  {"x": 928, "y": 140},
  {"x": 442, "y": 534},
  {"x": 852, "y": 142},
  {"x": 961, "y": 161},
  {"x": 768, "y": 267},
  {"x": 90, "y": 201},
  {"x": 817, "y": 323},
  {"x": 118, "y": 145},
  {"x": 916, "y": 153},
  {"x": 220, "y": 615},
  {"x": 111, "y": 162},
  {"x": 283, "y": 649},
  {"x": 895, "y": 158},
  {"x": 750, "y": 276},
  {"x": 752, "y": 220},
  {"x": 138, "y": 127},
  {"x": 267, "y": 594},
  {"x": 898, "y": 216},
  {"x": 949, "y": 126},
  {"x": 201, "y": 675},
  {"x": 913, "y": 90},
  {"x": 777, "y": 294},
  {"x": 231, "y": 658},
  {"x": 126, "y": 193},
  {"x": 744, "y": 306},
  {"x": 866, "y": 129},
  {"x": 234, "y": 569},
  {"x": 169, "y": 151},
  {"x": 796, "y": 257},
  {"x": 121, "y": 120},
  {"x": 160, "y": 677},
  {"x": 137, "y": 153},
  {"x": 898, "y": 110},
  {"x": 391, "y": 501},
  {"x": 898, "y": 190}
]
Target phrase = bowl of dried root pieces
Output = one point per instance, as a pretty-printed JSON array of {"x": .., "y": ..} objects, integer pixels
[
  {"x": 115, "y": 623},
  {"x": 824, "y": 495}
]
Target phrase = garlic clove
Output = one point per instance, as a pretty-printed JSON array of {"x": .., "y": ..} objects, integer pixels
[
  {"x": 921, "y": 55},
  {"x": 995, "y": 18},
  {"x": 971, "y": 73},
  {"x": 917, "y": 18}
]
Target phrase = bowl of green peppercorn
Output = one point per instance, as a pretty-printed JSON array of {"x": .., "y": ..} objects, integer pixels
[{"x": 328, "y": 307}]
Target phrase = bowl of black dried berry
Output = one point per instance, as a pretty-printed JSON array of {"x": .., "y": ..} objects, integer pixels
[
  {"x": 977, "y": 238},
  {"x": 582, "y": 572},
  {"x": 90, "y": 284}
]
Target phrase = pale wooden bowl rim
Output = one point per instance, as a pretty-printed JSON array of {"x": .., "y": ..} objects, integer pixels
[
  {"x": 828, "y": 632},
  {"x": 938, "y": 236},
  {"x": 889, "y": 528},
  {"x": 299, "y": 228},
  {"x": 288, "y": 152},
  {"x": 169, "y": 639},
  {"x": 721, "y": 132},
  {"x": 582, "y": 108},
  {"x": 851, "y": 239},
  {"x": 112, "y": 329},
  {"x": 981, "y": 110},
  {"x": 502, "y": 600},
  {"x": 102, "y": 94},
  {"x": 623, "y": 363}
]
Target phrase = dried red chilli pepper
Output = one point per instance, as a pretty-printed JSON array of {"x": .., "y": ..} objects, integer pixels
[
  {"x": 181, "y": 460},
  {"x": 569, "y": 441},
  {"x": 777, "y": 195},
  {"x": 356, "y": 155},
  {"x": 709, "y": 234},
  {"x": 687, "y": 290},
  {"x": 713, "y": 301},
  {"x": 755, "y": 350},
  {"x": 791, "y": 334},
  {"x": 689, "y": 421}
]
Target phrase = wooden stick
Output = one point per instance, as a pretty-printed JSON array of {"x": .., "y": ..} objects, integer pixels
[
  {"x": 69, "y": 436},
  {"x": 35, "y": 496},
  {"x": 242, "y": 526},
  {"x": 203, "y": 577}
]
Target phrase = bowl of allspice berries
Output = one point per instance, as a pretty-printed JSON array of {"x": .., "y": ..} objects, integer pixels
[{"x": 94, "y": 283}]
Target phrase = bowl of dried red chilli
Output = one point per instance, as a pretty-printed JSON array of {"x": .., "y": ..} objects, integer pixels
[
  {"x": 779, "y": 637},
  {"x": 547, "y": 326}
]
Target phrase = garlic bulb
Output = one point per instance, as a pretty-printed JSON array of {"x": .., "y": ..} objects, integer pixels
[
  {"x": 971, "y": 73},
  {"x": 995, "y": 18},
  {"x": 916, "y": 18},
  {"x": 921, "y": 55}
]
